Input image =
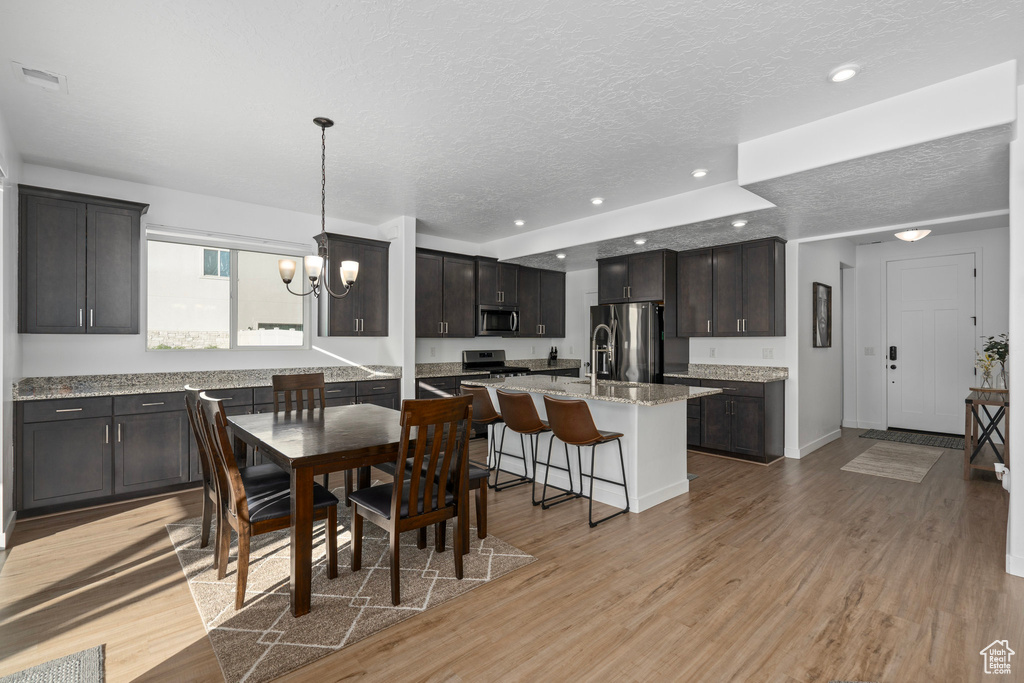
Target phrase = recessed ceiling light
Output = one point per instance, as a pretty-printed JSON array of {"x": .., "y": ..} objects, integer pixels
[
  {"x": 640, "y": 240},
  {"x": 699, "y": 172},
  {"x": 520, "y": 223},
  {"x": 913, "y": 235},
  {"x": 560, "y": 255},
  {"x": 843, "y": 73},
  {"x": 596, "y": 201},
  {"x": 738, "y": 223}
]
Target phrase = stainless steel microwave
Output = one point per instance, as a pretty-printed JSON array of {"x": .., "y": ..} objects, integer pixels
[{"x": 497, "y": 321}]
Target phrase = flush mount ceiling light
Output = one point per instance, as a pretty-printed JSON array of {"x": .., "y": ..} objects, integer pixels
[
  {"x": 597, "y": 201},
  {"x": 520, "y": 223},
  {"x": 640, "y": 240},
  {"x": 912, "y": 235},
  {"x": 560, "y": 255},
  {"x": 699, "y": 172},
  {"x": 843, "y": 73},
  {"x": 738, "y": 223},
  {"x": 317, "y": 264}
]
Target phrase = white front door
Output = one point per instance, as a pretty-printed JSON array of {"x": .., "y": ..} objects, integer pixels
[{"x": 931, "y": 328}]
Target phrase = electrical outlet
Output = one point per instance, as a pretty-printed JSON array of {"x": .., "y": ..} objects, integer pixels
[
  {"x": 768, "y": 353},
  {"x": 571, "y": 351},
  {"x": 433, "y": 351},
  {"x": 533, "y": 350},
  {"x": 869, "y": 350},
  {"x": 711, "y": 352}
]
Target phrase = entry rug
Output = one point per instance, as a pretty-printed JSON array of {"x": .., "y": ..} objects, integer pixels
[
  {"x": 262, "y": 641},
  {"x": 895, "y": 461},
  {"x": 81, "y": 667},
  {"x": 953, "y": 442}
]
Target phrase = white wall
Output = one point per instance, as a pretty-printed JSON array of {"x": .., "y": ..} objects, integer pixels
[
  {"x": 10, "y": 344},
  {"x": 47, "y": 355},
  {"x": 1015, "y": 324},
  {"x": 820, "y": 369},
  {"x": 992, "y": 259},
  {"x": 850, "y": 346}
]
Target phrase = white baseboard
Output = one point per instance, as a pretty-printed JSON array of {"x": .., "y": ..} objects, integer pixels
[
  {"x": 792, "y": 452},
  {"x": 1014, "y": 565},
  {"x": 815, "y": 445},
  {"x": 7, "y": 531}
]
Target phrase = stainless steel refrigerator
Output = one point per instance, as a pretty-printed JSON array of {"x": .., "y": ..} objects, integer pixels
[{"x": 634, "y": 350}]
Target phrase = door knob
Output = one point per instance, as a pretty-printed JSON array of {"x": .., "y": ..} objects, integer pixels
[{"x": 892, "y": 367}]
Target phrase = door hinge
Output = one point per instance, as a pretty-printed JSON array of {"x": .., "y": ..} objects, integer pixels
[
  {"x": 975, "y": 319},
  {"x": 975, "y": 272}
]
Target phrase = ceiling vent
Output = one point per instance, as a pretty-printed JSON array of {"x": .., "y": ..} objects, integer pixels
[{"x": 47, "y": 80}]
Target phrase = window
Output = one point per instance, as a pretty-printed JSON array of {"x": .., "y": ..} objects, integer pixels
[
  {"x": 203, "y": 298},
  {"x": 216, "y": 263}
]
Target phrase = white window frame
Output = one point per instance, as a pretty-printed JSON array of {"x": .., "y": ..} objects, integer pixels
[{"x": 234, "y": 244}]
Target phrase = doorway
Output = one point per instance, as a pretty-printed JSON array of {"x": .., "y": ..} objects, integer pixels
[{"x": 931, "y": 330}]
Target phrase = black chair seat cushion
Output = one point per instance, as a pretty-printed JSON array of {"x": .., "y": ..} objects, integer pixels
[
  {"x": 270, "y": 497},
  {"x": 378, "y": 499},
  {"x": 265, "y": 472}
]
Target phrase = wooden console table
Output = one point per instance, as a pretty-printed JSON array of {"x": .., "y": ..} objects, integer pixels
[{"x": 980, "y": 424}]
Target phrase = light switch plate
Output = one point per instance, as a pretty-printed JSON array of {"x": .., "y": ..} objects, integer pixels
[
  {"x": 869, "y": 350},
  {"x": 711, "y": 352},
  {"x": 768, "y": 353}
]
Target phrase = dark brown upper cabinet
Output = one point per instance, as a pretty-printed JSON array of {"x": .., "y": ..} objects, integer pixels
[
  {"x": 445, "y": 295},
  {"x": 737, "y": 290},
  {"x": 695, "y": 310},
  {"x": 541, "y": 303},
  {"x": 364, "y": 311},
  {"x": 78, "y": 263},
  {"x": 749, "y": 286},
  {"x": 497, "y": 284},
  {"x": 647, "y": 276}
]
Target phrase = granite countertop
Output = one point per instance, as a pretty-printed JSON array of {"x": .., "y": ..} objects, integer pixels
[
  {"x": 634, "y": 393},
  {"x": 79, "y": 386},
  {"x": 424, "y": 370},
  {"x": 735, "y": 373}
]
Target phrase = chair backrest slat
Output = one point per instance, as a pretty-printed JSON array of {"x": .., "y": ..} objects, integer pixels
[
  {"x": 437, "y": 431},
  {"x": 192, "y": 409},
  {"x": 295, "y": 388}
]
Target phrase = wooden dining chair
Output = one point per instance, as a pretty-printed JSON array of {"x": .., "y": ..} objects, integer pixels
[
  {"x": 426, "y": 487},
  {"x": 290, "y": 390},
  {"x": 253, "y": 505},
  {"x": 211, "y": 503}
]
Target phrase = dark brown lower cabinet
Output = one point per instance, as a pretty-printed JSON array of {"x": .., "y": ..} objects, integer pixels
[
  {"x": 746, "y": 420},
  {"x": 65, "y": 462},
  {"x": 151, "y": 450}
]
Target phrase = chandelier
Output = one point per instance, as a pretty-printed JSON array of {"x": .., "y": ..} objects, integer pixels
[{"x": 316, "y": 264}]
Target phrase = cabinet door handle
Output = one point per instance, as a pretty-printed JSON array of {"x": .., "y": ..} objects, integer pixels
[
  {"x": 709, "y": 327},
  {"x": 737, "y": 324},
  {"x": 106, "y": 433},
  {"x": 543, "y": 329},
  {"x": 624, "y": 295},
  {"x": 69, "y": 410},
  {"x": 629, "y": 291},
  {"x": 440, "y": 327},
  {"x": 333, "y": 391},
  {"x": 728, "y": 388},
  {"x": 744, "y": 324},
  {"x": 355, "y": 324},
  {"x": 119, "y": 432},
  {"x": 227, "y": 398},
  {"x": 160, "y": 403},
  {"x": 90, "y": 318},
  {"x": 378, "y": 388},
  {"x": 79, "y": 317}
]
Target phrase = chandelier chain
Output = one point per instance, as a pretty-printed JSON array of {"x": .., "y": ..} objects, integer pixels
[{"x": 323, "y": 179}]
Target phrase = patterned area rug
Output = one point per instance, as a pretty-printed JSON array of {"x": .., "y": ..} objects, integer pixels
[
  {"x": 263, "y": 641},
  {"x": 954, "y": 442},
  {"x": 82, "y": 667},
  {"x": 901, "y": 461}
]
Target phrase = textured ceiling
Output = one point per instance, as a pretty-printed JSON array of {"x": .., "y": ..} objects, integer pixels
[
  {"x": 463, "y": 114},
  {"x": 959, "y": 175}
]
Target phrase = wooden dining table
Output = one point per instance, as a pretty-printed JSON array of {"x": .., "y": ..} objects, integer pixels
[{"x": 311, "y": 442}]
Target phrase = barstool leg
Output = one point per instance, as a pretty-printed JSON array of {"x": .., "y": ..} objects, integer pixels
[
  {"x": 622, "y": 464},
  {"x": 525, "y": 479},
  {"x": 564, "y": 495}
]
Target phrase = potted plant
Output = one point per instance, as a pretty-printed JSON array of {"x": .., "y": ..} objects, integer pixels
[{"x": 997, "y": 349}]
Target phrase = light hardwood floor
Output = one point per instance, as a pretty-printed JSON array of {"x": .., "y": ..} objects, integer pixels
[{"x": 794, "y": 572}]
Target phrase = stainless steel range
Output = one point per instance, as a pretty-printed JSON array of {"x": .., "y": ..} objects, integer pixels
[{"x": 491, "y": 362}]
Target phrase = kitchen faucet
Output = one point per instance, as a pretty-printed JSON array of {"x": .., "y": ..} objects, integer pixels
[{"x": 593, "y": 353}]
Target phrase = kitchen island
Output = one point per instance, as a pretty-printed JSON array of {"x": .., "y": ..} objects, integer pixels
[{"x": 651, "y": 417}]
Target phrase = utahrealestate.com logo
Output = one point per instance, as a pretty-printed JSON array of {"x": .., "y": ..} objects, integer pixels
[{"x": 997, "y": 657}]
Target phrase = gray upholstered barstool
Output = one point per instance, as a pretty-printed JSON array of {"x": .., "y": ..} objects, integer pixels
[{"x": 573, "y": 425}]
